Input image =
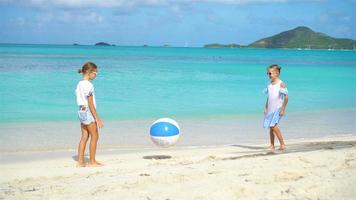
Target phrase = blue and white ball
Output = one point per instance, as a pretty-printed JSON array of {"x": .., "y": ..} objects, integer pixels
[{"x": 165, "y": 132}]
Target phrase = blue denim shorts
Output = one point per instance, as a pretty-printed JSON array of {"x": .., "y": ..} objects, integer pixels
[{"x": 85, "y": 116}]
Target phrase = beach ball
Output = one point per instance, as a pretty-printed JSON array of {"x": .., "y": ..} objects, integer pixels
[{"x": 165, "y": 132}]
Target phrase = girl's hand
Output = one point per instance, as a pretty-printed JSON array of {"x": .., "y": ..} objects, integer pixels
[
  {"x": 265, "y": 111},
  {"x": 99, "y": 123},
  {"x": 282, "y": 112}
]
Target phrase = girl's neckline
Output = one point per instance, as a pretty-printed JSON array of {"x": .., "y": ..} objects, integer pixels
[{"x": 278, "y": 81}]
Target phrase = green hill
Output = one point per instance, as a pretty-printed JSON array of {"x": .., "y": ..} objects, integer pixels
[{"x": 303, "y": 37}]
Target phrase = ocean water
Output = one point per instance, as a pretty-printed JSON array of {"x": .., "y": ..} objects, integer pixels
[{"x": 140, "y": 84}]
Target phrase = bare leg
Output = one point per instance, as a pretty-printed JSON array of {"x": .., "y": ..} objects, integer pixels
[
  {"x": 82, "y": 144},
  {"x": 94, "y": 137},
  {"x": 271, "y": 137},
  {"x": 278, "y": 133}
]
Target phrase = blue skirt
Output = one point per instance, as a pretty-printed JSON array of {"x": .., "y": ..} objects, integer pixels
[{"x": 272, "y": 119}]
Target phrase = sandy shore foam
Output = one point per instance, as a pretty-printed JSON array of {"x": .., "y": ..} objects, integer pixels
[
  {"x": 322, "y": 168},
  {"x": 46, "y": 136}
]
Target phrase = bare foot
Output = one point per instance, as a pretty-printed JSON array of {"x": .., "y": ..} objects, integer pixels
[
  {"x": 81, "y": 164},
  {"x": 271, "y": 148},
  {"x": 95, "y": 164},
  {"x": 282, "y": 147}
]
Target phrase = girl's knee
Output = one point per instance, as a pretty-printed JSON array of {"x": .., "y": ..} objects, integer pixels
[
  {"x": 94, "y": 141},
  {"x": 94, "y": 136},
  {"x": 85, "y": 138}
]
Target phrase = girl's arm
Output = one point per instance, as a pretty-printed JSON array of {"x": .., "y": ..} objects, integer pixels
[
  {"x": 285, "y": 101},
  {"x": 93, "y": 112},
  {"x": 265, "y": 111}
]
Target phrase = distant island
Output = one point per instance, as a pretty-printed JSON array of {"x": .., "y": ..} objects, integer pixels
[
  {"x": 298, "y": 38},
  {"x": 102, "y": 44},
  {"x": 167, "y": 45},
  {"x": 216, "y": 45}
]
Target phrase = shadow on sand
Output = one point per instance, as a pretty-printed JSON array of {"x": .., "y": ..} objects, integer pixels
[
  {"x": 157, "y": 157},
  {"x": 86, "y": 158},
  {"x": 292, "y": 148}
]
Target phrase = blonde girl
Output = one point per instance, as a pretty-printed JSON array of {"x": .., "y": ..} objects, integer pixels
[
  {"x": 275, "y": 108},
  {"x": 87, "y": 114}
]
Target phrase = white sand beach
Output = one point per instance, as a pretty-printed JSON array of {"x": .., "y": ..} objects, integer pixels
[{"x": 323, "y": 168}]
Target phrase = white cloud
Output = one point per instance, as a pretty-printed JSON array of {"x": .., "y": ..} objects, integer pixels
[
  {"x": 70, "y": 17},
  {"x": 240, "y": 2},
  {"x": 19, "y": 21},
  {"x": 73, "y": 4}
]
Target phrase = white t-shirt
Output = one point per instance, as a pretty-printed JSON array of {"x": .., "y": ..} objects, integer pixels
[{"x": 84, "y": 89}]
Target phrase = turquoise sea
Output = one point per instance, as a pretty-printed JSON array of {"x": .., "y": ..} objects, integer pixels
[{"x": 139, "y": 84}]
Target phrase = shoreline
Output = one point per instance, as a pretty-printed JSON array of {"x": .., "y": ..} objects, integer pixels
[
  {"x": 198, "y": 117},
  {"x": 19, "y": 156},
  {"x": 322, "y": 168},
  {"x": 224, "y": 130}
]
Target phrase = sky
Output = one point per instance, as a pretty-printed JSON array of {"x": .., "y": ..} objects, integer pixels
[{"x": 192, "y": 23}]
